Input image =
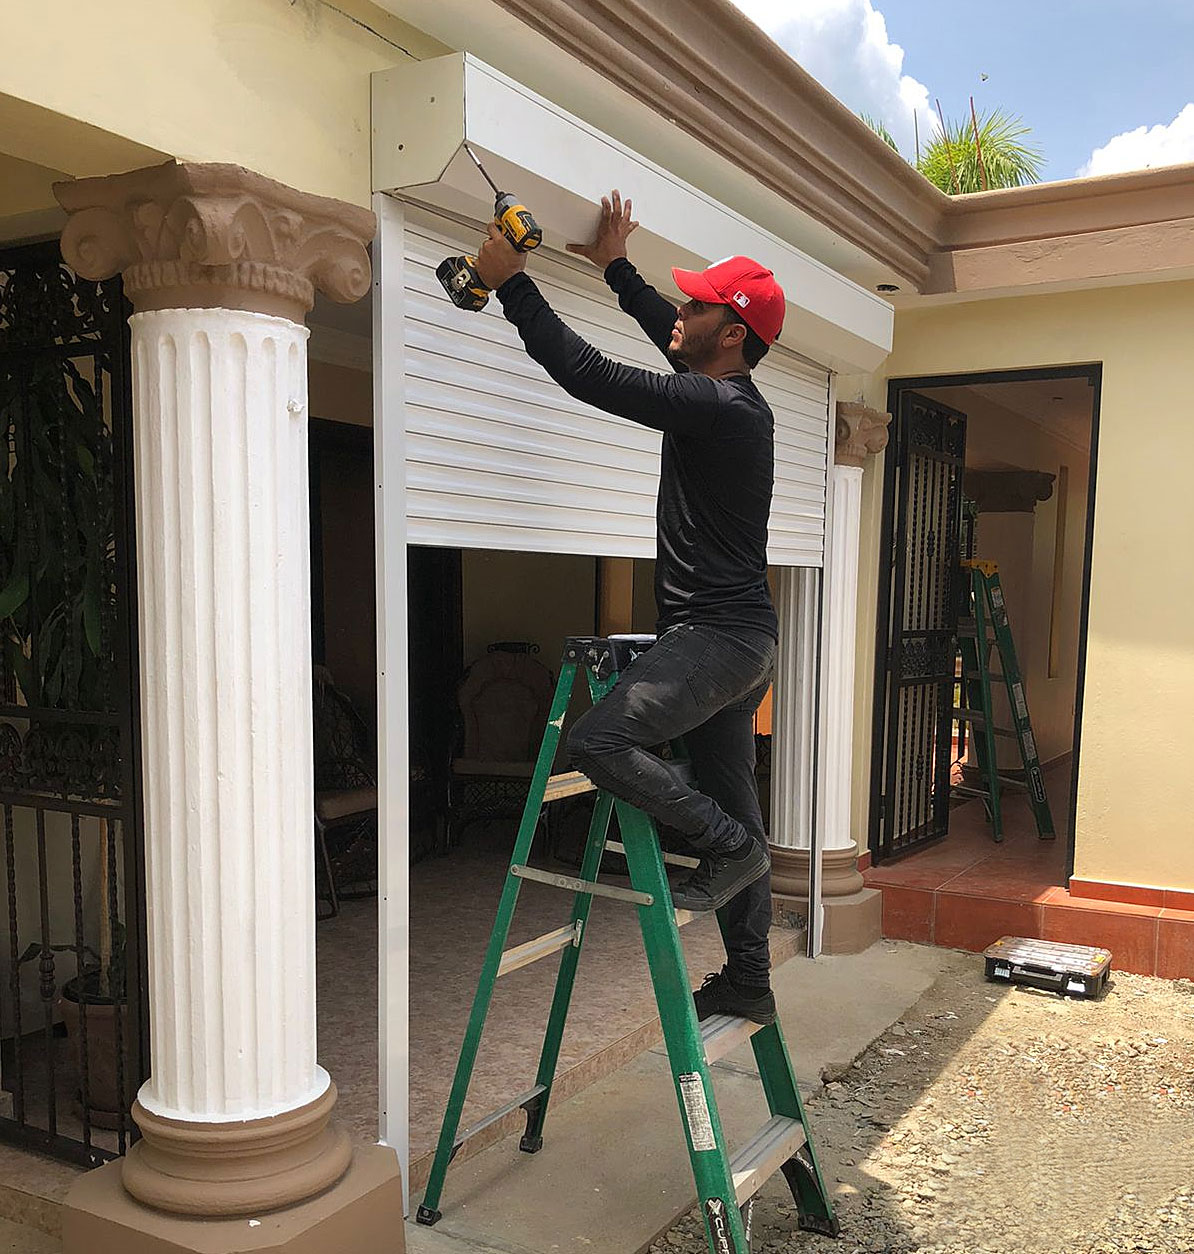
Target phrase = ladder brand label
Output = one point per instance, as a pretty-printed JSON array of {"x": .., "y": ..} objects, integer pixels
[
  {"x": 719, "y": 1227},
  {"x": 696, "y": 1111}
]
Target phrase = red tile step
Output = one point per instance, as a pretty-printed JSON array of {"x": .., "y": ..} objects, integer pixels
[{"x": 993, "y": 897}]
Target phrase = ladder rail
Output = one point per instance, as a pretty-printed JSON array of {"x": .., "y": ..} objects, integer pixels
[
  {"x": 1018, "y": 701},
  {"x": 803, "y": 1169},
  {"x": 978, "y": 696},
  {"x": 681, "y": 1031},
  {"x": 989, "y": 611},
  {"x": 532, "y": 1138},
  {"x": 529, "y": 824}
]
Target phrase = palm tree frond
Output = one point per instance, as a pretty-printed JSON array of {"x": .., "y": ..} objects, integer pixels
[
  {"x": 951, "y": 160},
  {"x": 881, "y": 130}
]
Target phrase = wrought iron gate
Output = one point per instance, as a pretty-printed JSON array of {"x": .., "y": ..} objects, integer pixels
[
  {"x": 72, "y": 1018},
  {"x": 916, "y": 648}
]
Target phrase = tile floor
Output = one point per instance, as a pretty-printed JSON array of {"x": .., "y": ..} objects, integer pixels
[
  {"x": 453, "y": 902},
  {"x": 967, "y": 891}
]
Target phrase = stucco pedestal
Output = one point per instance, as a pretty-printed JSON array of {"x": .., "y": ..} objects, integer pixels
[
  {"x": 853, "y": 913},
  {"x": 360, "y": 1214}
]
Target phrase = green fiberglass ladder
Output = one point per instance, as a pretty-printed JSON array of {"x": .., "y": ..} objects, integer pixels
[
  {"x": 983, "y": 627},
  {"x": 726, "y": 1184}
]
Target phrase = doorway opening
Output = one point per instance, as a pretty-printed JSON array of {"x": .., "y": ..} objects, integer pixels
[{"x": 999, "y": 467}]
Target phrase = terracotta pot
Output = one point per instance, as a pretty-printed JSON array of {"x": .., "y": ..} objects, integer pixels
[{"x": 103, "y": 1098}]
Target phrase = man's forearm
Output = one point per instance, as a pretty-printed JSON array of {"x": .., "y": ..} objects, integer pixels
[
  {"x": 667, "y": 402},
  {"x": 655, "y": 314}
]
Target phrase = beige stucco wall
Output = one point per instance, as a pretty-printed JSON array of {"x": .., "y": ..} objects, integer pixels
[
  {"x": 541, "y": 597},
  {"x": 339, "y": 394},
  {"x": 1133, "y": 823},
  {"x": 279, "y": 86}
]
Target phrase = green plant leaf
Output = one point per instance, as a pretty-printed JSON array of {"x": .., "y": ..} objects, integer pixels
[
  {"x": 15, "y": 593},
  {"x": 952, "y": 161},
  {"x": 880, "y": 129},
  {"x": 92, "y": 609},
  {"x": 21, "y": 667}
]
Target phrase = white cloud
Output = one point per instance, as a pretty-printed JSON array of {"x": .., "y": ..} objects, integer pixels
[
  {"x": 1163, "y": 144},
  {"x": 844, "y": 45}
]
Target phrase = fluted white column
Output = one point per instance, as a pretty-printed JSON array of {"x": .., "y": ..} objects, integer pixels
[
  {"x": 859, "y": 433},
  {"x": 222, "y": 518},
  {"x": 841, "y": 614},
  {"x": 221, "y": 267},
  {"x": 794, "y": 709}
]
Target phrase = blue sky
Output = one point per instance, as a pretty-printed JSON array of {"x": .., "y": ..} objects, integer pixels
[{"x": 1086, "y": 75}]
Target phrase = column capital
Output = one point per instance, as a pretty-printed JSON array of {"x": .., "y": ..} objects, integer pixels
[
  {"x": 1008, "y": 491},
  {"x": 196, "y": 236},
  {"x": 860, "y": 432}
]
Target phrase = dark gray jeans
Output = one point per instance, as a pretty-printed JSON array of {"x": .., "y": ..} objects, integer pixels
[{"x": 704, "y": 684}]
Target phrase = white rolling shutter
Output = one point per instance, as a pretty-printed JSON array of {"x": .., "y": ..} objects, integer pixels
[{"x": 499, "y": 457}]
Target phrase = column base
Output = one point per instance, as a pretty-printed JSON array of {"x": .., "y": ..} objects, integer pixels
[
  {"x": 840, "y": 876},
  {"x": 220, "y": 1169},
  {"x": 851, "y": 924},
  {"x": 360, "y": 1214},
  {"x": 853, "y": 913}
]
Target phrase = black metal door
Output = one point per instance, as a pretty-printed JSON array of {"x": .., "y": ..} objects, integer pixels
[
  {"x": 73, "y": 1025},
  {"x": 917, "y": 625}
]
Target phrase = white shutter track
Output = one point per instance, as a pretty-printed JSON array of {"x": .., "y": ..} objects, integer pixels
[{"x": 499, "y": 457}]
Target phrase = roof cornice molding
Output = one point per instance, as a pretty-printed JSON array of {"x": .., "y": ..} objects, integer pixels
[
  {"x": 704, "y": 66},
  {"x": 707, "y": 68},
  {"x": 1070, "y": 207}
]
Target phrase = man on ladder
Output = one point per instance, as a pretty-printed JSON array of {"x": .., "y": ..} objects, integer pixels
[{"x": 711, "y": 666}]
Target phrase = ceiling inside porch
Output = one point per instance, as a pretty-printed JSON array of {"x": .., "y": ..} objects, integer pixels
[{"x": 1062, "y": 408}]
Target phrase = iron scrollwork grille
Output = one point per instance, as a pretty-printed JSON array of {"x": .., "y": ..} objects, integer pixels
[
  {"x": 72, "y": 1017},
  {"x": 916, "y": 674}
]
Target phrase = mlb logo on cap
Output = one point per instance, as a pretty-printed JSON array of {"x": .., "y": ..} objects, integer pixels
[{"x": 741, "y": 282}]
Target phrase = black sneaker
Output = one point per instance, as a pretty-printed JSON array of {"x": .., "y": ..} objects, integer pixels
[
  {"x": 719, "y": 995},
  {"x": 719, "y": 879}
]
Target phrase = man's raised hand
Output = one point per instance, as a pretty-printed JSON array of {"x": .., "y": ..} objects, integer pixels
[
  {"x": 616, "y": 225},
  {"x": 498, "y": 259}
]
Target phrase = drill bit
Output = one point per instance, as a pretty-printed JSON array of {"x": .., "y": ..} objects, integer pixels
[{"x": 496, "y": 191}]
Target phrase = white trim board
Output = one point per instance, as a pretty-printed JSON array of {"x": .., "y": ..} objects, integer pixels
[{"x": 560, "y": 166}]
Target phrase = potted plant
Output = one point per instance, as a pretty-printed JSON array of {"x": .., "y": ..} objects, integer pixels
[
  {"x": 94, "y": 1011},
  {"x": 58, "y": 614}
]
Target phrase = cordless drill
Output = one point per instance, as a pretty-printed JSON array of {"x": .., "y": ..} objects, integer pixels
[{"x": 459, "y": 276}]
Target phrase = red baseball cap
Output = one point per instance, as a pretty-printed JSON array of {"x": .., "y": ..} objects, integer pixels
[{"x": 749, "y": 287}]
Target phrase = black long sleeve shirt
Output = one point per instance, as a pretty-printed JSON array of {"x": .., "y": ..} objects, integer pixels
[{"x": 717, "y": 467}]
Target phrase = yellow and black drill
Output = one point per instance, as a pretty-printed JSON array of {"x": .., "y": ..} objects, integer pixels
[{"x": 459, "y": 274}]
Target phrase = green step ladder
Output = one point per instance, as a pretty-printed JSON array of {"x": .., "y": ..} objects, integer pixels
[
  {"x": 983, "y": 627},
  {"x": 725, "y": 1184}
]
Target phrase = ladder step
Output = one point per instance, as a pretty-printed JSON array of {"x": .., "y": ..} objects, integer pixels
[
  {"x": 673, "y": 859},
  {"x": 569, "y": 784},
  {"x": 531, "y": 951},
  {"x": 763, "y": 1155},
  {"x": 573, "y": 885},
  {"x": 722, "y": 1034},
  {"x": 964, "y": 790},
  {"x": 523, "y": 1099},
  {"x": 977, "y": 717}
]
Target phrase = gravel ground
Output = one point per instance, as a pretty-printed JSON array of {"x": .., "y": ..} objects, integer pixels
[{"x": 1002, "y": 1120}]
